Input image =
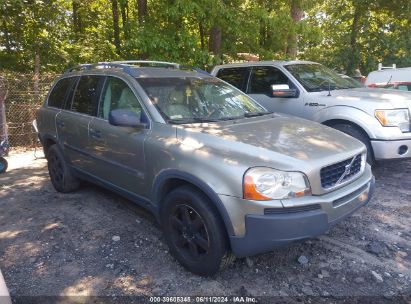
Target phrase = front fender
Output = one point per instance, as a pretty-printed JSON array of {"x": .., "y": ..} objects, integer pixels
[
  {"x": 351, "y": 114},
  {"x": 168, "y": 174}
]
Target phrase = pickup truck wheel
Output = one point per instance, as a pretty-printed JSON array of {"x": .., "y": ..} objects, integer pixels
[
  {"x": 194, "y": 232},
  {"x": 61, "y": 176},
  {"x": 3, "y": 165},
  {"x": 358, "y": 134}
]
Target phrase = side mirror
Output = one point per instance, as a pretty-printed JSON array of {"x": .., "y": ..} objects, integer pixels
[
  {"x": 283, "y": 90},
  {"x": 125, "y": 118}
]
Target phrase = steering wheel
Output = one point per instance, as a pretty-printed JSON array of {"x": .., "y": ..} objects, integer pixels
[{"x": 215, "y": 111}]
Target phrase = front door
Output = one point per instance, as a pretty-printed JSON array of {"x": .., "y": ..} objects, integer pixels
[
  {"x": 259, "y": 88},
  {"x": 118, "y": 152}
]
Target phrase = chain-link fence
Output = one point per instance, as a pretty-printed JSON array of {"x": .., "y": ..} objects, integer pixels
[{"x": 25, "y": 95}]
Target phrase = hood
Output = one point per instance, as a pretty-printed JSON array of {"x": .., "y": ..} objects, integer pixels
[
  {"x": 378, "y": 98},
  {"x": 277, "y": 141}
]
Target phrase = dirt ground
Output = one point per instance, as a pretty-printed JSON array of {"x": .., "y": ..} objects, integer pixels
[{"x": 54, "y": 244}]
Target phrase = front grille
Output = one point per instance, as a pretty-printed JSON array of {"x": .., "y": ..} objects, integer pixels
[
  {"x": 330, "y": 175},
  {"x": 286, "y": 210}
]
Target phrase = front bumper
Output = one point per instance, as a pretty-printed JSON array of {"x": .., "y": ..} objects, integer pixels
[
  {"x": 391, "y": 149},
  {"x": 265, "y": 232}
]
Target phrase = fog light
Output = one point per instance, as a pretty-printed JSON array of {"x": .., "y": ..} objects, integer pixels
[
  {"x": 363, "y": 197},
  {"x": 402, "y": 150}
]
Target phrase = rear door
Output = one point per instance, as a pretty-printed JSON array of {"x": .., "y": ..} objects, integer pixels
[
  {"x": 46, "y": 116},
  {"x": 118, "y": 152},
  {"x": 259, "y": 88},
  {"x": 73, "y": 122}
]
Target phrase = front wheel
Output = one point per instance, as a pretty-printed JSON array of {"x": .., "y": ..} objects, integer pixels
[
  {"x": 358, "y": 134},
  {"x": 194, "y": 231},
  {"x": 3, "y": 165}
]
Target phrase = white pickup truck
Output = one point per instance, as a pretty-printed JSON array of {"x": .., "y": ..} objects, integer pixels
[{"x": 379, "y": 118}]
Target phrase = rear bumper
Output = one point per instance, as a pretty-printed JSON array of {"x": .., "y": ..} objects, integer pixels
[
  {"x": 391, "y": 149},
  {"x": 265, "y": 232}
]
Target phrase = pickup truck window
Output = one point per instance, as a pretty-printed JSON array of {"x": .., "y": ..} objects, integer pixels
[
  {"x": 316, "y": 77},
  {"x": 263, "y": 77},
  {"x": 234, "y": 76}
]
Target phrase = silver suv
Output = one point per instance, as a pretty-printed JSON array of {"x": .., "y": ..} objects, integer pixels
[
  {"x": 377, "y": 117},
  {"x": 221, "y": 173}
]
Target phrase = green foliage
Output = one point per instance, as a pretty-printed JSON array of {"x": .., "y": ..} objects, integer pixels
[{"x": 342, "y": 34}]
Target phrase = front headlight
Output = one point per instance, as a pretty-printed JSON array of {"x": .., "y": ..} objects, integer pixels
[
  {"x": 262, "y": 184},
  {"x": 394, "y": 118}
]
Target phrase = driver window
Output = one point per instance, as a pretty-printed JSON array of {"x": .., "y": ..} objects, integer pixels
[
  {"x": 117, "y": 95},
  {"x": 263, "y": 77}
]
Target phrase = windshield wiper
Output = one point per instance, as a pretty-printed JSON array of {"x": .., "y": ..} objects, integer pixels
[
  {"x": 254, "y": 114},
  {"x": 180, "y": 121}
]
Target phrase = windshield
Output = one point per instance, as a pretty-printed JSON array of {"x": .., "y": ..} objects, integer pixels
[
  {"x": 190, "y": 99},
  {"x": 316, "y": 77}
]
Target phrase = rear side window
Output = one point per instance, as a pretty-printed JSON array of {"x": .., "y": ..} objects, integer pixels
[
  {"x": 57, "y": 96},
  {"x": 85, "y": 99},
  {"x": 263, "y": 77},
  {"x": 234, "y": 76}
]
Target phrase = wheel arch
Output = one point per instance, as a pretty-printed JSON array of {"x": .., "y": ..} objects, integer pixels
[
  {"x": 171, "y": 179},
  {"x": 47, "y": 142},
  {"x": 338, "y": 121}
]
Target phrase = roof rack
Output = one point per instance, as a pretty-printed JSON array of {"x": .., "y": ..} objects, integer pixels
[
  {"x": 127, "y": 66},
  {"x": 148, "y": 63}
]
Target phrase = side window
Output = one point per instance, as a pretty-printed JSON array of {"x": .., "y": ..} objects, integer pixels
[
  {"x": 117, "y": 95},
  {"x": 86, "y": 96},
  {"x": 234, "y": 76},
  {"x": 57, "y": 97},
  {"x": 263, "y": 77}
]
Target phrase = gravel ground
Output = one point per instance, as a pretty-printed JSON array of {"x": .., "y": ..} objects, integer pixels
[{"x": 95, "y": 243}]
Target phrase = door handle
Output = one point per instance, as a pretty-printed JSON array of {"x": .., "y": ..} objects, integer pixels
[
  {"x": 60, "y": 123},
  {"x": 96, "y": 134}
]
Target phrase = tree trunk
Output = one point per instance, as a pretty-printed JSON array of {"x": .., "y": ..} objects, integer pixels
[
  {"x": 215, "y": 41},
  {"x": 202, "y": 35},
  {"x": 124, "y": 17},
  {"x": 77, "y": 22},
  {"x": 116, "y": 27},
  {"x": 142, "y": 10},
  {"x": 36, "y": 78},
  {"x": 354, "y": 58},
  {"x": 263, "y": 34},
  {"x": 297, "y": 14}
]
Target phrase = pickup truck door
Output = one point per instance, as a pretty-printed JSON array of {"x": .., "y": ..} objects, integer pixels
[
  {"x": 259, "y": 88},
  {"x": 118, "y": 152}
]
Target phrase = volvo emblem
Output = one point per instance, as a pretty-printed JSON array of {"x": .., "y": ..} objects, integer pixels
[{"x": 347, "y": 171}]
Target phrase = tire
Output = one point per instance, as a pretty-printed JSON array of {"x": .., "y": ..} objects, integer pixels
[
  {"x": 195, "y": 232},
  {"x": 3, "y": 165},
  {"x": 61, "y": 176},
  {"x": 360, "y": 135}
]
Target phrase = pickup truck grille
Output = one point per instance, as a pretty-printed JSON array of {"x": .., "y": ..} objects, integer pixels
[{"x": 341, "y": 172}]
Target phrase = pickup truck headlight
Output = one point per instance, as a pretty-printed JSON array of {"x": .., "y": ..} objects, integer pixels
[
  {"x": 262, "y": 184},
  {"x": 394, "y": 118}
]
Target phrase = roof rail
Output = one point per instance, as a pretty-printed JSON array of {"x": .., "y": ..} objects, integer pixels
[
  {"x": 99, "y": 65},
  {"x": 127, "y": 66},
  {"x": 149, "y": 63},
  {"x": 380, "y": 67}
]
